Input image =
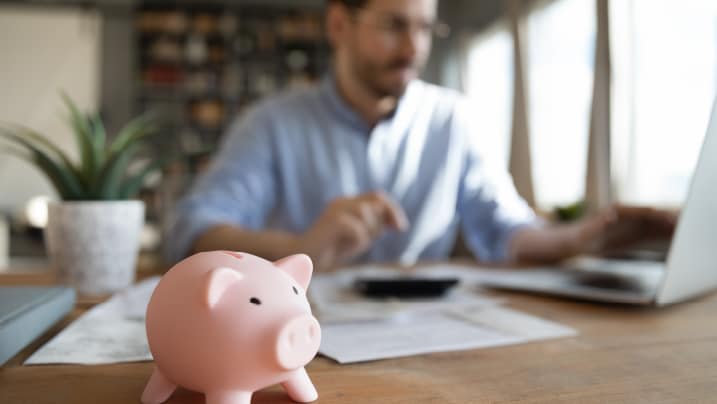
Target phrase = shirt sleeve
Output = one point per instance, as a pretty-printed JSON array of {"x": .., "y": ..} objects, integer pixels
[
  {"x": 238, "y": 188},
  {"x": 490, "y": 208}
]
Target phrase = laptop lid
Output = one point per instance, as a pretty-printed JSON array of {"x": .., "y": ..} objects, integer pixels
[{"x": 692, "y": 260}]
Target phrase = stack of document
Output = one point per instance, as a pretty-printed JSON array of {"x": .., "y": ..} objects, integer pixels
[
  {"x": 111, "y": 332},
  {"x": 335, "y": 299},
  {"x": 356, "y": 328},
  {"x": 28, "y": 311}
]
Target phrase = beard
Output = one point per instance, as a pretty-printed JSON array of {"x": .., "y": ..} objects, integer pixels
[{"x": 385, "y": 80}]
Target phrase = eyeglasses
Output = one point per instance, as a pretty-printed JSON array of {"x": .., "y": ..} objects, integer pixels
[{"x": 395, "y": 26}]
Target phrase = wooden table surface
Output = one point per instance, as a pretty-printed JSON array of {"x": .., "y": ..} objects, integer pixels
[{"x": 622, "y": 355}]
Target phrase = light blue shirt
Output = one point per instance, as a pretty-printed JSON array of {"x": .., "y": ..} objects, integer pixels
[{"x": 288, "y": 158}]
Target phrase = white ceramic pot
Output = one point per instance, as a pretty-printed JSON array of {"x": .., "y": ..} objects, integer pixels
[{"x": 93, "y": 245}]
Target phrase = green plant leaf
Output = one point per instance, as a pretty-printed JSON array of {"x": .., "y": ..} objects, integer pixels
[
  {"x": 102, "y": 168},
  {"x": 14, "y": 152},
  {"x": 81, "y": 130},
  {"x": 121, "y": 154},
  {"x": 17, "y": 131},
  {"x": 138, "y": 128},
  {"x": 99, "y": 139},
  {"x": 131, "y": 187},
  {"x": 113, "y": 172},
  {"x": 62, "y": 178}
]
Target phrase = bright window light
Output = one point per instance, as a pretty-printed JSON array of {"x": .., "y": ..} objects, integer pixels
[
  {"x": 489, "y": 84},
  {"x": 664, "y": 56},
  {"x": 560, "y": 45}
]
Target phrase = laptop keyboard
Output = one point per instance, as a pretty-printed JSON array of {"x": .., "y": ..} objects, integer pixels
[
  {"x": 624, "y": 275},
  {"x": 605, "y": 280}
]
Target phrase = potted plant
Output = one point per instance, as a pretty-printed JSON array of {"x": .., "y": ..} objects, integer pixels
[{"x": 92, "y": 235}]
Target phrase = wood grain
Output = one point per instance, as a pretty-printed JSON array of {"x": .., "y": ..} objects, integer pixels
[{"x": 622, "y": 355}]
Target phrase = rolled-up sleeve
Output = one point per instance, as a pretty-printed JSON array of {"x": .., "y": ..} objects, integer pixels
[
  {"x": 490, "y": 208},
  {"x": 238, "y": 188}
]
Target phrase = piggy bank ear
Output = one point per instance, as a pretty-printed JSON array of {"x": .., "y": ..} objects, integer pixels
[
  {"x": 216, "y": 283},
  {"x": 299, "y": 267}
]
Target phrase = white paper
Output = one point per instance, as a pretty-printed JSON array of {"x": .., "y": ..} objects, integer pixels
[
  {"x": 111, "y": 332},
  {"x": 356, "y": 329},
  {"x": 481, "y": 327},
  {"x": 335, "y": 299},
  {"x": 353, "y": 328},
  {"x": 514, "y": 323}
]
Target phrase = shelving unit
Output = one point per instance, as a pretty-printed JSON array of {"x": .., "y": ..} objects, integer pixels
[{"x": 200, "y": 64}]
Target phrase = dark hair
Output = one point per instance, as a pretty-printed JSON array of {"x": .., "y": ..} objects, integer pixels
[{"x": 353, "y": 4}]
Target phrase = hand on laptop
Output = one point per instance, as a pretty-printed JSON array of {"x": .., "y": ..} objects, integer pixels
[
  {"x": 622, "y": 227},
  {"x": 609, "y": 231},
  {"x": 349, "y": 226}
]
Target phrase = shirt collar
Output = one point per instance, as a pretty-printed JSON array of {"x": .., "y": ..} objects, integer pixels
[
  {"x": 329, "y": 89},
  {"x": 338, "y": 104}
]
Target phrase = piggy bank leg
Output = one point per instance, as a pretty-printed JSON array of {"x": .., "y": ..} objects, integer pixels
[
  {"x": 158, "y": 388},
  {"x": 228, "y": 397},
  {"x": 299, "y": 387}
]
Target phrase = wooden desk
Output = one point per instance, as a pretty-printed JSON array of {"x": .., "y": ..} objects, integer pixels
[{"x": 622, "y": 355}]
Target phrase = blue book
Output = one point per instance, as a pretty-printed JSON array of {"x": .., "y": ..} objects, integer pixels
[{"x": 28, "y": 311}]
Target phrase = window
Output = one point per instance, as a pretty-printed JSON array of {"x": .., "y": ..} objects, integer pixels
[
  {"x": 663, "y": 81},
  {"x": 43, "y": 52},
  {"x": 664, "y": 56},
  {"x": 560, "y": 45},
  {"x": 489, "y": 84}
]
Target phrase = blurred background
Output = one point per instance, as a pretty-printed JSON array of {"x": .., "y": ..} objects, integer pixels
[{"x": 582, "y": 100}]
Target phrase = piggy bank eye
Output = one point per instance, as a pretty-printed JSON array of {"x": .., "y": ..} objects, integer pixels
[
  {"x": 296, "y": 292},
  {"x": 255, "y": 301}
]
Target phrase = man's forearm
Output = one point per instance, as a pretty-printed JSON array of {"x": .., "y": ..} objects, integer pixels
[
  {"x": 545, "y": 244},
  {"x": 271, "y": 245}
]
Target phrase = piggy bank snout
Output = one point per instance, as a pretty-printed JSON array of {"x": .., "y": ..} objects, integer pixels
[{"x": 298, "y": 342}]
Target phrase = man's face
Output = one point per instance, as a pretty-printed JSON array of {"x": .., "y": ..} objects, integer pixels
[{"x": 387, "y": 42}]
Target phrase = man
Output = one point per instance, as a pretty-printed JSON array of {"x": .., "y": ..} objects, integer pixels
[{"x": 374, "y": 164}]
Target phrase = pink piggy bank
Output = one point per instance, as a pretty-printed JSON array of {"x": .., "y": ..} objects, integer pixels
[{"x": 228, "y": 324}]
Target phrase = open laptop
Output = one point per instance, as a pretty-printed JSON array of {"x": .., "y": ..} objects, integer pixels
[{"x": 690, "y": 268}]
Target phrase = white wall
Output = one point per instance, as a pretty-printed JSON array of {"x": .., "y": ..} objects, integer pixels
[{"x": 44, "y": 50}]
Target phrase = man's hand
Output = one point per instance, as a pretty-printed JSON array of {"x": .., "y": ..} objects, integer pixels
[
  {"x": 349, "y": 226},
  {"x": 609, "y": 231},
  {"x": 622, "y": 227}
]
